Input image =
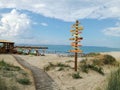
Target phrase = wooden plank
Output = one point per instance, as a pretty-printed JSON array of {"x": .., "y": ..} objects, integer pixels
[{"x": 76, "y": 51}]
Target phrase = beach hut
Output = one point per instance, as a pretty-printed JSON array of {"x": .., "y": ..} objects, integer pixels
[{"x": 6, "y": 46}]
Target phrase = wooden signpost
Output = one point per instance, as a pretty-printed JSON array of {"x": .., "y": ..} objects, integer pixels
[{"x": 76, "y": 39}]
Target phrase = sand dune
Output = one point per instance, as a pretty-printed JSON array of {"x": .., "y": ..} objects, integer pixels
[
  {"x": 90, "y": 81},
  {"x": 9, "y": 59}
]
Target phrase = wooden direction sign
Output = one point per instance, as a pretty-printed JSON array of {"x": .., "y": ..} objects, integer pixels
[
  {"x": 76, "y": 51},
  {"x": 72, "y": 31},
  {"x": 78, "y": 39},
  {"x": 80, "y": 28},
  {"x": 76, "y": 45},
  {"x": 76, "y": 32},
  {"x": 76, "y": 35}
]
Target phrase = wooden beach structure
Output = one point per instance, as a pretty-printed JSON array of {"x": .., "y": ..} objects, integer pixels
[
  {"x": 9, "y": 47},
  {"x": 6, "y": 46}
]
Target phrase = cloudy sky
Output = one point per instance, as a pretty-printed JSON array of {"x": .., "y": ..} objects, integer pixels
[{"x": 49, "y": 21}]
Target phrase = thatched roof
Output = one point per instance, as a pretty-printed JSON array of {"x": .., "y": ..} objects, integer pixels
[{"x": 5, "y": 41}]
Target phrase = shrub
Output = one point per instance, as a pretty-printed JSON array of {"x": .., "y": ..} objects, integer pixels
[
  {"x": 47, "y": 68},
  {"x": 62, "y": 65},
  {"x": 24, "y": 81},
  {"x": 97, "y": 62},
  {"x": 108, "y": 59},
  {"x": 97, "y": 69},
  {"x": 83, "y": 65},
  {"x": 8, "y": 67},
  {"x": 92, "y": 54},
  {"x": 114, "y": 81},
  {"x": 76, "y": 75},
  {"x": 4, "y": 86},
  {"x": 51, "y": 65},
  {"x": 84, "y": 68}
]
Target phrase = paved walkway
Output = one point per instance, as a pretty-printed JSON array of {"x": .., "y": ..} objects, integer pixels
[{"x": 42, "y": 80}]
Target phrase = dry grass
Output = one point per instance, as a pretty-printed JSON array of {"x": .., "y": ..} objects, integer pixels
[{"x": 12, "y": 74}]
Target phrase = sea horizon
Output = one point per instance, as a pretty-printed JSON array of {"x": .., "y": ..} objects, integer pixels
[{"x": 65, "y": 48}]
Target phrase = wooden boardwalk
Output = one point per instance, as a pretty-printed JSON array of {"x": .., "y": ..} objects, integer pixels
[{"x": 42, "y": 80}]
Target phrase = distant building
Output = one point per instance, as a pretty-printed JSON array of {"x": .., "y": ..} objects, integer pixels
[{"x": 6, "y": 46}]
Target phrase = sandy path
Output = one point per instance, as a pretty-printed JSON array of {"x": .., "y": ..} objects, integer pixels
[{"x": 42, "y": 79}]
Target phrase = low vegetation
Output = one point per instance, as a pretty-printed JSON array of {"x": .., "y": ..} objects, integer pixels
[
  {"x": 97, "y": 62},
  {"x": 76, "y": 75},
  {"x": 13, "y": 74},
  {"x": 85, "y": 67},
  {"x": 105, "y": 60},
  {"x": 52, "y": 66},
  {"x": 92, "y": 54},
  {"x": 24, "y": 81},
  {"x": 114, "y": 81},
  {"x": 108, "y": 59}
]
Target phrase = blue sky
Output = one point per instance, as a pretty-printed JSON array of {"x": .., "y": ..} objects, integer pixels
[{"x": 50, "y": 21}]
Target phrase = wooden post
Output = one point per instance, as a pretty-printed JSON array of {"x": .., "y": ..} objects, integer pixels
[
  {"x": 76, "y": 39},
  {"x": 75, "y": 61}
]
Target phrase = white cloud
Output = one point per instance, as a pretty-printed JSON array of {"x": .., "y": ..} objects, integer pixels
[
  {"x": 68, "y": 10},
  {"x": 44, "y": 24},
  {"x": 112, "y": 31},
  {"x": 13, "y": 24}
]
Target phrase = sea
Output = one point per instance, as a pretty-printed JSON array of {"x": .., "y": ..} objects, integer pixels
[
  {"x": 86, "y": 49},
  {"x": 64, "y": 49}
]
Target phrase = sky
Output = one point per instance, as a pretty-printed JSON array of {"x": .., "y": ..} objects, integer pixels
[{"x": 49, "y": 21}]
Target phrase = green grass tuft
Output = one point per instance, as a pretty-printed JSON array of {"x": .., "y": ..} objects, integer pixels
[
  {"x": 60, "y": 69},
  {"x": 24, "y": 81},
  {"x": 76, "y": 75},
  {"x": 108, "y": 59},
  {"x": 62, "y": 65},
  {"x": 114, "y": 81}
]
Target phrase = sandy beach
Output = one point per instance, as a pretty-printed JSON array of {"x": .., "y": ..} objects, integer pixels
[
  {"x": 11, "y": 60},
  {"x": 90, "y": 81}
]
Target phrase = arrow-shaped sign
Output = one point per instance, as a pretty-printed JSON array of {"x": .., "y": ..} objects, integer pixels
[
  {"x": 80, "y": 28},
  {"x": 76, "y": 45},
  {"x": 80, "y": 51},
  {"x": 78, "y": 39},
  {"x": 76, "y": 32}
]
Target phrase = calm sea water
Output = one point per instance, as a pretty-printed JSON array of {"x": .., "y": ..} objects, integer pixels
[
  {"x": 85, "y": 49},
  {"x": 66, "y": 48}
]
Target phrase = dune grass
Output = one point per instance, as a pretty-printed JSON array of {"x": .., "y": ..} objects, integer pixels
[
  {"x": 52, "y": 66},
  {"x": 114, "y": 80},
  {"x": 11, "y": 75}
]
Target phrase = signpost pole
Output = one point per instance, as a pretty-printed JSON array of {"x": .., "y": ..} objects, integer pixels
[{"x": 76, "y": 39}]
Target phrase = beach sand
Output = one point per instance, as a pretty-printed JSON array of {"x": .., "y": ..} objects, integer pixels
[
  {"x": 90, "y": 81},
  {"x": 11, "y": 60},
  {"x": 64, "y": 80}
]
